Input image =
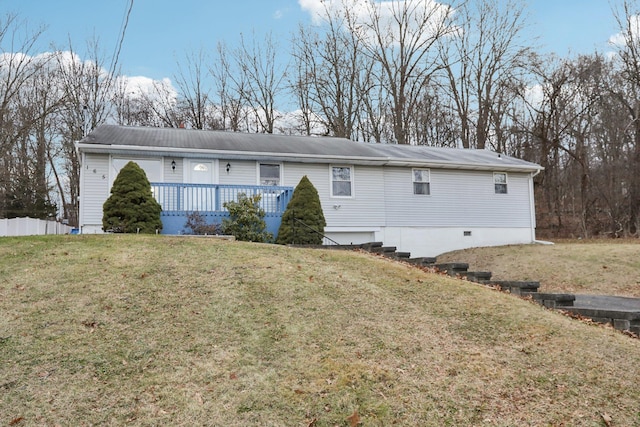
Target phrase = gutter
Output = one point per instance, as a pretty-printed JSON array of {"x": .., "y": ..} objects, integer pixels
[{"x": 303, "y": 158}]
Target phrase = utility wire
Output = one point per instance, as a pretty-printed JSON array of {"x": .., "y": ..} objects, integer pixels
[{"x": 118, "y": 48}]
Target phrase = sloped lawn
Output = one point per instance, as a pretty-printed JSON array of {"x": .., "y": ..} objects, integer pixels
[
  {"x": 599, "y": 267},
  {"x": 153, "y": 330}
]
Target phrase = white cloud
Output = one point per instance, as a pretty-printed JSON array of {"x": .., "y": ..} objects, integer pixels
[
  {"x": 361, "y": 13},
  {"x": 620, "y": 39},
  {"x": 534, "y": 95},
  {"x": 138, "y": 86}
]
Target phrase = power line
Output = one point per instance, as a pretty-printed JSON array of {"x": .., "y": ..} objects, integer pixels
[{"x": 118, "y": 48}]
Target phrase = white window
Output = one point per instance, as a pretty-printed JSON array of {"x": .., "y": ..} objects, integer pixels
[
  {"x": 341, "y": 181},
  {"x": 269, "y": 174},
  {"x": 421, "y": 179},
  {"x": 500, "y": 182}
]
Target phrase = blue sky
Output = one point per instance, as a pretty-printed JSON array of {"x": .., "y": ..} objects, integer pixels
[{"x": 162, "y": 32}]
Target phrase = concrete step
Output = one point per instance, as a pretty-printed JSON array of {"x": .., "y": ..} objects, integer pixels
[
  {"x": 516, "y": 287},
  {"x": 552, "y": 300},
  {"x": 383, "y": 249},
  {"x": 401, "y": 255},
  {"x": 476, "y": 276},
  {"x": 370, "y": 245},
  {"x": 453, "y": 268},
  {"x": 621, "y": 320},
  {"x": 423, "y": 261}
]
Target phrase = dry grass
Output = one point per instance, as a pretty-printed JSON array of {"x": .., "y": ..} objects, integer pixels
[
  {"x": 604, "y": 267},
  {"x": 132, "y": 330}
]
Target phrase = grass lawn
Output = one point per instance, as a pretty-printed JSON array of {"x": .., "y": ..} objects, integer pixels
[
  {"x": 153, "y": 330},
  {"x": 600, "y": 267}
]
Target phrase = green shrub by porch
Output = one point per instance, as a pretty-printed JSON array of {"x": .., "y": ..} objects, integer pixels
[
  {"x": 131, "y": 207},
  {"x": 309, "y": 223},
  {"x": 246, "y": 219}
]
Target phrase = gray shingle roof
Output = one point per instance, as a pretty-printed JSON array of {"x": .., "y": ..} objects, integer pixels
[{"x": 231, "y": 145}]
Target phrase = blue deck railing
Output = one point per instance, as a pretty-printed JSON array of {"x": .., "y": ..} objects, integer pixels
[{"x": 179, "y": 198}]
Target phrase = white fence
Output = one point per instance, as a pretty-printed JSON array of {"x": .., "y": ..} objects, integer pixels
[{"x": 31, "y": 226}]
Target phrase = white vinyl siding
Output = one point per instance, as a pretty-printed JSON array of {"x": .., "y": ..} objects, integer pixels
[
  {"x": 95, "y": 187},
  {"x": 241, "y": 172},
  {"x": 365, "y": 210},
  {"x": 152, "y": 167},
  {"x": 458, "y": 199},
  {"x": 170, "y": 174}
]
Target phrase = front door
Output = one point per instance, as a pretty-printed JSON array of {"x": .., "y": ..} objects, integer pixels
[{"x": 200, "y": 197}]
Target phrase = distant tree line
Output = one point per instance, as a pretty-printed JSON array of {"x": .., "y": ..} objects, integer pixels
[{"x": 403, "y": 72}]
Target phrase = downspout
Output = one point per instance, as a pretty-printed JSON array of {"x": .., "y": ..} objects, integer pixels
[
  {"x": 532, "y": 206},
  {"x": 81, "y": 191}
]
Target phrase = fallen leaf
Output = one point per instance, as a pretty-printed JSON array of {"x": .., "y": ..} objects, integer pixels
[
  {"x": 233, "y": 376},
  {"x": 354, "y": 419},
  {"x": 91, "y": 324},
  {"x": 312, "y": 423},
  {"x": 607, "y": 419},
  {"x": 15, "y": 421}
]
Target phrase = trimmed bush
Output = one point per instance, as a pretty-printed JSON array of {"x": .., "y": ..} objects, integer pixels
[
  {"x": 131, "y": 207},
  {"x": 197, "y": 224},
  {"x": 246, "y": 219},
  {"x": 304, "y": 207}
]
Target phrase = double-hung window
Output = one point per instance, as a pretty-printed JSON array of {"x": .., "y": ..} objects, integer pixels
[
  {"x": 269, "y": 174},
  {"x": 500, "y": 182},
  {"x": 341, "y": 181},
  {"x": 421, "y": 181}
]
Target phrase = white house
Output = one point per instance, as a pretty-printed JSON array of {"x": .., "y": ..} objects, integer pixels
[{"x": 423, "y": 200}]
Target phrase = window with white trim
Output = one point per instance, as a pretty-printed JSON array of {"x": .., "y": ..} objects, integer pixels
[
  {"x": 269, "y": 174},
  {"x": 500, "y": 182},
  {"x": 341, "y": 181},
  {"x": 421, "y": 181}
]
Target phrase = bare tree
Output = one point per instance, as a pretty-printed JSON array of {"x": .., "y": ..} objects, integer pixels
[
  {"x": 331, "y": 69},
  {"x": 38, "y": 168},
  {"x": 560, "y": 122},
  {"x": 628, "y": 19},
  {"x": 193, "y": 94},
  {"x": 17, "y": 68},
  {"x": 261, "y": 79},
  {"x": 229, "y": 91},
  {"x": 401, "y": 37},
  {"x": 480, "y": 62},
  {"x": 88, "y": 91}
]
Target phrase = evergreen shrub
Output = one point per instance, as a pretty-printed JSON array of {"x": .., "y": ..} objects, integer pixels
[
  {"x": 304, "y": 207},
  {"x": 131, "y": 207}
]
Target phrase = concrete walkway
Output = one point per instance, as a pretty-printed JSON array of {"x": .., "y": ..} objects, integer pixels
[
  {"x": 623, "y": 313},
  {"x": 610, "y": 303}
]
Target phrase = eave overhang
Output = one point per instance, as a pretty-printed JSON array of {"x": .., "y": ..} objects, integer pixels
[{"x": 132, "y": 150}]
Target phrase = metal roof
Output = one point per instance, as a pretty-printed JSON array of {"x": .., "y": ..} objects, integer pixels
[{"x": 174, "y": 142}]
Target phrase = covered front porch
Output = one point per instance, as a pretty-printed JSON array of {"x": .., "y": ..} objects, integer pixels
[{"x": 179, "y": 200}]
